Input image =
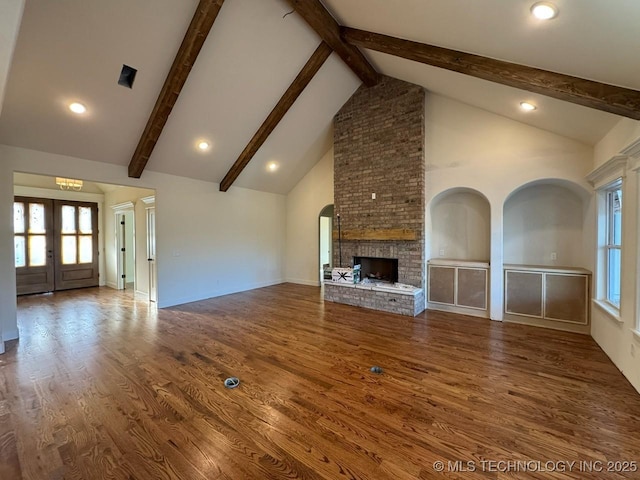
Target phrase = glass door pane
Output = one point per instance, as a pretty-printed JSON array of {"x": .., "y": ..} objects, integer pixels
[
  {"x": 37, "y": 222},
  {"x": 18, "y": 217},
  {"x": 86, "y": 249},
  {"x": 20, "y": 252},
  {"x": 37, "y": 250},
  {"x": 69, "y": 249},
  {"x": 68, "y": 219},
  {"x": 84, "y": 220}
]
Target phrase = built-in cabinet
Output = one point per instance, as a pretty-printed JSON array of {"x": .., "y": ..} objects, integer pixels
[
  {"x": 458, "y": 286},
  {"x": 553, "y": 297},
  {"x": 542, "y": 228}
]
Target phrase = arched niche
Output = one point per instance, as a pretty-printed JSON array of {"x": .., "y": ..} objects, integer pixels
[
  {"x": 544, "y": 223},
  {"x": 461, "y": 225}
]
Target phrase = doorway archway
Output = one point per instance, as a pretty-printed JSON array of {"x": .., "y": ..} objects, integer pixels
[{"x": 325, "y": 240}]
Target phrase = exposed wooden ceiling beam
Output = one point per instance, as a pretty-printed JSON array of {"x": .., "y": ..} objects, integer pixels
[
  {"x": 318, "y": 18},
  {"x": 601, "y": 96},
  {"x": 293, "y": 92},
  {"x": 197, "y": 32}
]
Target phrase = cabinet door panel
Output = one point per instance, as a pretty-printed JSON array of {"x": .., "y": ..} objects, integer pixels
[
  {"x": 566, "y": 298},
  {"x": 442, "y": 284},
  {"x": 472, "y": 287},
  {"x": 524, "y": 293}
]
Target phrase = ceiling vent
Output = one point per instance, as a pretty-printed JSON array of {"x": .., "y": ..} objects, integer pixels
[{"x": 127, "y": 76}]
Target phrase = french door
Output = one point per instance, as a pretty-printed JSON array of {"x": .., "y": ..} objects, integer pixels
[
  {"x": 33, "y": 242},
  {"x": 56, "y": 244}
]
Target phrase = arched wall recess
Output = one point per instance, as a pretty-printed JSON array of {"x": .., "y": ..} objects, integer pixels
[
  {"x": 460, "y": 225},
  {"x": 544, "y": 224}
]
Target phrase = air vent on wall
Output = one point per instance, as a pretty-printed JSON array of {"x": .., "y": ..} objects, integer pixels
[{"x": 127, "y": 76}]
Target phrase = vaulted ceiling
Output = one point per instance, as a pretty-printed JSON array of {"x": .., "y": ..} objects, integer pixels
[{"x": 73, "y": 50}]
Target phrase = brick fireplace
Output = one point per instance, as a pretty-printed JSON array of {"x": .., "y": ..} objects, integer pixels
[{"x": 379, "y": 182}]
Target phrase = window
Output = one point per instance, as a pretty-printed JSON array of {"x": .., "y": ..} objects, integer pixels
[
  {"x": 609, "y": 181},
  {"x": 613, "y": 243}
]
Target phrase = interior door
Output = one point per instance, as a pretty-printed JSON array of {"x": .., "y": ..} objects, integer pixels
[
  {"x": 34, "y": 246},
  {"x": 76, "y": 244},
  {"x": 121, "y": 247},
  {"x": 151, "y": 253}
]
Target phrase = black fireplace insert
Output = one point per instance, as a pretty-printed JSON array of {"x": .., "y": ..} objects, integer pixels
[{"x": 378, "y": 269}]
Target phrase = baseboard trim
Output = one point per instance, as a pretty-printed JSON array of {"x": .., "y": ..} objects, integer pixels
[
  {"x": 12, "y": 334},
  {"x": 301, "y": 281}
]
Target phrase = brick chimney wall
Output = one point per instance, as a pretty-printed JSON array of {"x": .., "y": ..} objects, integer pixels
[{"x": 379, "y": 148}]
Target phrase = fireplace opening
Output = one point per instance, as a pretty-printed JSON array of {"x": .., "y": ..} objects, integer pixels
[{"x": 377, "y": 269}]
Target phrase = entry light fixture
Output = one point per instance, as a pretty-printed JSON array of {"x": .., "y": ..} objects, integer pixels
[
  {"x": 273, "y": 166},
  {"x": 69, "y": 184},
  {"x": 203, "y": 145},
  {"x": 544, "y": 10}
]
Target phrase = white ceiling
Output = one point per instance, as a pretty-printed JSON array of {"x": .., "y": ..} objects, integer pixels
[{"x": 74, "y": 49}]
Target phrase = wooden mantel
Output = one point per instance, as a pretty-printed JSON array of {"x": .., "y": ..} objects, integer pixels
[{"x": 388, "y": 234}]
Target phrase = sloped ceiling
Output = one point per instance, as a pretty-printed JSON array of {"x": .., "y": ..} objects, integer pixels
[
  {"x": 589, "y": 39},
  {"x": 74, "y": 49}
]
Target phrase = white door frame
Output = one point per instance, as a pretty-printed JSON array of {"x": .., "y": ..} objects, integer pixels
[
  {"x": 119, "y": 210},
  {"x": 150, "y": 207}
]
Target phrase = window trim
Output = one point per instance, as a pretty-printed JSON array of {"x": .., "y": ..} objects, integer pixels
[
  {"x": 610, "y": 243},
  {"x": 607, "y": 176}
]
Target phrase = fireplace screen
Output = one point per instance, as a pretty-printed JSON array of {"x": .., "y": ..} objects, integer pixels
[{"x": 378, "y": 269}]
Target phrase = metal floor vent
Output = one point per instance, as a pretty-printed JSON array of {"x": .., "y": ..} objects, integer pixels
[
  {"x": 127, "y": 76},
  {"x": 232, "y": 382}
]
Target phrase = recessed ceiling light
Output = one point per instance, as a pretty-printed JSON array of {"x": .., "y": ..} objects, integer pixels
[
  {"x": 544, "y": 10},
  {"x": 78, "y": 108},
  {"x": 527, "y": 107},
  {"x": 272, "y": 166},
  {"x": 203, "y": 145}
]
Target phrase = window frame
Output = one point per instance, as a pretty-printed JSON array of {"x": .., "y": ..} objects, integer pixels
[{"x": 611, "y": 244}]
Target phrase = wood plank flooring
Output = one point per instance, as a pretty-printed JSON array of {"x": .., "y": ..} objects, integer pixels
[{"x": 101, "y": 386}]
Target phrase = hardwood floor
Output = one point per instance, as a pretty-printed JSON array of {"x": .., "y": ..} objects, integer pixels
[{"x": 103, "y": 386}]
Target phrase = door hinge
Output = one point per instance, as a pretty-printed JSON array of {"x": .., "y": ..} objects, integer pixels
[
  {"x": 122, "y": 222},
  {"x": 124, "y": 276},
  {"x": 122, "y": 249}
]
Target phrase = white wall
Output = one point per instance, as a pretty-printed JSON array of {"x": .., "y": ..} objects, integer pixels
[
  {"x": 461, "y": 226},
  {"x": 10, "y": 18},
  {"x": 542, "y": 221},
  {"x": 304, "y": 203},
  {"x": 624, "y": 133},
  {"x": 208, "y": 243},
  {"x": 466, "y": 147},
  {"x": 620, "y": 338}
]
